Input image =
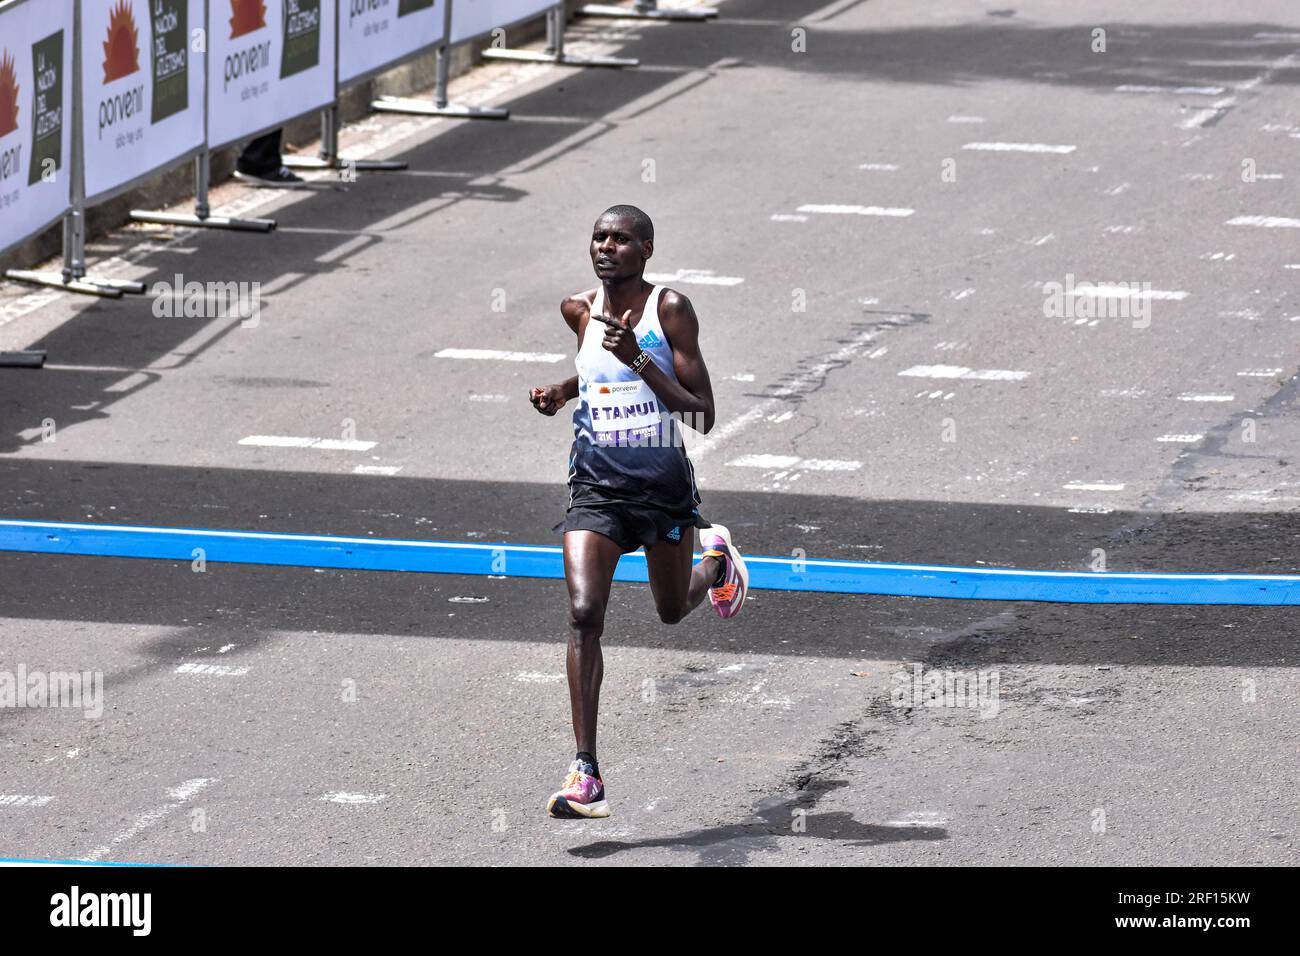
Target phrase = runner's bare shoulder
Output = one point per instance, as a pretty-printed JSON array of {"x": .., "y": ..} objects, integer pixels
[
  {"x": 574, "y": 307},
  {"x": 677, "y": 315}
]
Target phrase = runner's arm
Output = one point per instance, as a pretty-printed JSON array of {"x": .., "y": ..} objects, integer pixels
[{"x": 692, "y": 394}]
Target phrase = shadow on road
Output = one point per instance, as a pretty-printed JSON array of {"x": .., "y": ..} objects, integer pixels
[{"x": 777, "y": 823}]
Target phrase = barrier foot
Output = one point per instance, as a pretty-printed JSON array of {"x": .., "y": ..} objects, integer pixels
[
  {"x": 56, "y": 280},
  {"x": 562, "y": 59},
  {"x": 646, "y": 13},
  {"x": 204, "y": 222},
  {"x": 398, "y": 104},
  {"x": 361, "y": 165},
  {"x": 31, "y": 358}
]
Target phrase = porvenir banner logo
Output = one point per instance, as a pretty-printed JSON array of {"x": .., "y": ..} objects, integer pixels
[
  {"x": 170, "y": 58},
  {"x": 246, "y": 16},
  {"x": 8, "y": 94},
  {"x": 47, "y": 117},
  {"x": 301, "y": 36},
  {"x": 121, "y": 50}
]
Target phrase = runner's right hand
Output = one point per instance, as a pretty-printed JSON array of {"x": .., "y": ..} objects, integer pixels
[{"x": 547, "y": 399}]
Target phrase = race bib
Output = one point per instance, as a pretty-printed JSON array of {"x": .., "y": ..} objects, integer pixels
[{"x": 624, "y": 413}]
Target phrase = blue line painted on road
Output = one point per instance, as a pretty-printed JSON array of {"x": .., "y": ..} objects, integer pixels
[
  {"x": 22, "y": 861},
  {"x": 531, "y": 561}
]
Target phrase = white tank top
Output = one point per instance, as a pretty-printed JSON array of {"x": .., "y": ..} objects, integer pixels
[{"x": 625, "y": 440}]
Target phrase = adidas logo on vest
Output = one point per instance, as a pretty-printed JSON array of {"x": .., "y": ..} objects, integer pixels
[{"x": 650, "y": 340}]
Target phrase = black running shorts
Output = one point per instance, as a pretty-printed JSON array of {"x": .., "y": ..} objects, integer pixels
[{"x": 628, "y": 523}]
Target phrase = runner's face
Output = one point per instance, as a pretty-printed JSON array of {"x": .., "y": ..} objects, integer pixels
[{"x": 616, "y": 251}]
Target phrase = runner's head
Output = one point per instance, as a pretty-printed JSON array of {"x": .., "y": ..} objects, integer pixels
[{"x": 621, "y": 242}]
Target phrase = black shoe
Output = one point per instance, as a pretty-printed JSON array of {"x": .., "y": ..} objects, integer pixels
[{"x": 282, "y": 178}]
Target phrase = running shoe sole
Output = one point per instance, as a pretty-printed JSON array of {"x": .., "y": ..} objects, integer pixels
[
  {"x": 564, "y": 810},
  {"x": 736, "y": 560}
]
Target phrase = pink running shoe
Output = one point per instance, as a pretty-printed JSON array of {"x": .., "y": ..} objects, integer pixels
[
  {"x": 581, "y": 796},
  {"x": 729, "y": 596}
]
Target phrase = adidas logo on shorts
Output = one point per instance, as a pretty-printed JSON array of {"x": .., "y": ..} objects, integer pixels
[{"x": 675, "y": 534}]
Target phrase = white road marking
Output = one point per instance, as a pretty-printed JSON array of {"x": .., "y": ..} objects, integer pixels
[
  {"x": 960, "y": 294},
  {"x": 833, "y": 209},
  {"x": 1268, "y": 176},
  {"x": 1181, "y": 439},
  {"x": 1184, "y": 90},
  {"x": 1260, "y": 372},
  {"x": 960, "y": 371},
  {"x": 829, "y": 464},
  {"x": 743, "y": 377},
  {"x": 965, "y": 119},
  {"x": 531, "y": 677},
  {"x": 23, "y": 800},
  {"x": 788, "y": 217},
  {"x": 1220, "y": 256},
  {"x": 291, "y": 441},
  {"x": 339, "y": 444},
  {"x": 1206, "y": 398},
  {"x": 1201, "y": 117},
  {"x": 1120, "y": 229},
  {"x": 179, "y": 795},
  {"x": 494, "y": 355},
  {"x": 387, "y": 470},
  {"x": 1116, "y": 190},
  {"x": 1095, "y": 510},
  {"x": 1107, "y": 290},
  {"x": 918, "y": 818},
  {"x": 489, "y": 397},
  {"x": 1019, "y": 148},
  {"x": 354, "y": 798},
  {"x": 127, "y": 384},
  {"x": 764, "y": 461},
  {"x": 692, "y": 277},
  {"x": 226, "y": 648},
  {"x": 1265, "y": 222},
  {"x": 1093, "y": 486},
  {"x": 879, "y": 167},
  {"x": 211, "y": 670}
]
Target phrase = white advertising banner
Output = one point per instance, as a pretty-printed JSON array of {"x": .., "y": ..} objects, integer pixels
[
  {"x": 268, "y": 62},
  {"x": 35, "y": 116},
  {"x": 376, "y": 33},
  {"x": 472, "y": 18},
  {"x": 142, "y": 88}
]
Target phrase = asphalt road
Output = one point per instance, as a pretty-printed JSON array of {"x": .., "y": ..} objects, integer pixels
[{"x": 868, "y": 230}]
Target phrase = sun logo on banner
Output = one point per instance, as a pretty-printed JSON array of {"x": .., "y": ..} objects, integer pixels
[
  {"x": 121, "y": 55},
  {"x": 246, "y": 16},
  {"x": 8, "y": 95}
]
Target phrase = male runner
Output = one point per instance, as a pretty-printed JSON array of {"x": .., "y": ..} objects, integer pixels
[{"x": 630, "y": 482}]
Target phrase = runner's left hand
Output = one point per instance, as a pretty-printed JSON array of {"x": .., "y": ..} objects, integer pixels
[{"x": 620, "y": 339}]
